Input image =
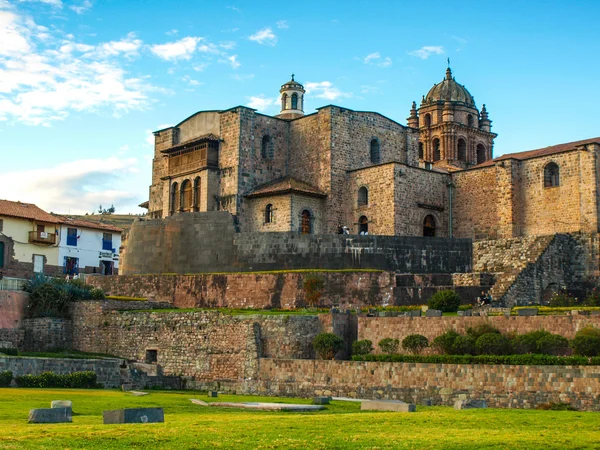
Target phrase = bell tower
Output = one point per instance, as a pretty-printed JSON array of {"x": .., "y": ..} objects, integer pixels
[{"x": 292, "y": 100}]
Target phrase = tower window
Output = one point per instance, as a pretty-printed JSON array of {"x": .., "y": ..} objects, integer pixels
[
  {"x": 363, "y": 225},
  {"x": 462, "y": 150},
  {"x": 429, "y": 226},
  {"x": 480, "y": 153},
  {"x": 427, "y": 120},
  {"x": 420, "y": 150},
  {"x": 306, "y": 222},
  {"x": 269, "y": 213},
  {"x": 363, "y": 196},
  {"x": 294, "y": 101},
  {"x": 265, "y": 148},
  {"x": 284, "y": 102},
  {"x": 197, "y": 185},
  {"x": 375, "y": 157},
  {"x": 437, "y": 155},
  {"x": 551, "y": 175},
  {"x": 186, "y": 195},
  {"x": 174, "y": 198},
  {"x": 470, "y": 120}
]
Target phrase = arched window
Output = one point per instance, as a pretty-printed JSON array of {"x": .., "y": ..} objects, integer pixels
[
  {"x": 269, "y": 213},
  {"x": 265, "y": 147},
  {"x": 437, "y": 155},
  {"x": 284, "y": 101},
  {"x": 363, "y": 196},
  {"x": 480, "y": 153},
  {"x": 294, "y": 101},
  {"x": 306, "y": 222},
  {"x": 186, "y": 196},
  {"x": 197, "y": 185},
  {"x": 551, "y": 175},
  {"x": 427, "y": 120},
  {"x": 363, "y": 225},
  {"x": 429, "y": 226},
  {"x": 174, "y": 198},
  {"x": 375, "y": 157},
  {"x": 470, "y": 120},
  {"x": 462, "y": 149},
  {"x": 420, "y": 150}
]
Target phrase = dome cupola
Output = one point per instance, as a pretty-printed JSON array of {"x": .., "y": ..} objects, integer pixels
[
  {"x": 292, "y": 99},
  {"x": 449, "y": 91}
]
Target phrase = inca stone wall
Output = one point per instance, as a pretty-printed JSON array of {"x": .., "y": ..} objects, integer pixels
[
  {"x": 501, "y": 386},
  {"x": 378, "y": 328},
  {"x": 107, "y": 370},
  {"x": 47, "y": 334},
  {"x": 12, "y": 308},
  {"x": 207, "y": 242}
]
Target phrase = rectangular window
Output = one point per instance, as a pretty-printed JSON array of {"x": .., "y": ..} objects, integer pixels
[
  {"x": 38, "y": 263},
  {"x": 107, "y": 241},
  {"x": 71, "y": 265},
  {"x": 72, "y": 236},
  {"x": 41, "y": 228}
]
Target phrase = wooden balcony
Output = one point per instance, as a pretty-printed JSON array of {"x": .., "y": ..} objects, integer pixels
[
  {"x": 40, "y": 237},
  {"x": 199, "y": 157}
]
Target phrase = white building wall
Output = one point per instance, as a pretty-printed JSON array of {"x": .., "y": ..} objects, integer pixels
[{"x": 89, "y": 248}]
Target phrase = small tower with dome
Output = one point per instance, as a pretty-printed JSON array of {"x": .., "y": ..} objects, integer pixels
[
  {"x": 292, "y": 100},
  {"x": 452, "y": 131}
]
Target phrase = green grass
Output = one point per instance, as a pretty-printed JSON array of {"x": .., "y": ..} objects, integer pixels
[
  {"x": 126, "y": 299},
  {"x": 341, "y": 426}
]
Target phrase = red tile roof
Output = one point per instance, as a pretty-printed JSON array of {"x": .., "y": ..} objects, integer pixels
[
  {"x": 85, "y": 224},
  {"x": 553, "y": 149},
  {"x": 25, "y": 211},
  {"x": 286, "y": 185}
]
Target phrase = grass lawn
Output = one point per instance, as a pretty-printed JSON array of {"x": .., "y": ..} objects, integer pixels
[{"x": 342, "y": 425}]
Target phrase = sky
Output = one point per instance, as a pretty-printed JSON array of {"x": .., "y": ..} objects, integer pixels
[{"x": 83, "y": 83}]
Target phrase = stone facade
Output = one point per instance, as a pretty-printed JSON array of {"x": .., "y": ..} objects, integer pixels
[{"x": 47, "y": 334}]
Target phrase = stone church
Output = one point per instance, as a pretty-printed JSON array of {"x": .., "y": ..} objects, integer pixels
[{"x": 311, "y": 173}]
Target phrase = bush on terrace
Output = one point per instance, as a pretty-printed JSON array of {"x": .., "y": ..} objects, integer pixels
[
  {"x": 327, "y": 345},
  {"x": 446, "y": 301}
]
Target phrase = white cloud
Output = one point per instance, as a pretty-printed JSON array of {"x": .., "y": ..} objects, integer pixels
[
  {"x": 227, "y": 45},
  {"x": 376, "y": 60},
  {"x": 77, "y": 187},
  {"x": 56, "y": 3},
  {"x": 264, "y": 36},
  {"x": 426, "y": 51},
  {"x": 233, "y": 8},
  {"x": 325, "y": 89},
  {"x": 190, "y": 81},
  {"x": 38, "y": 86},
  {"x": 172, "y": 32},
  {"x": 232, "y": 61},
  {"x": 261, "y": 102},
  {"x": 82, "y": 7},
  {"x": 282, "y": 24},
  {"x": 182, "y": 49}
]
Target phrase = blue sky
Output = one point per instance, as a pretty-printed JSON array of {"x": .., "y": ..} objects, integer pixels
[{"x": 84, "y": 82}]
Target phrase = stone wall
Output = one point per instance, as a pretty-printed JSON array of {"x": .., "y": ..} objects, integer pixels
[
  {"x": 378, "y": 328},
  {"x": 107, "y": 370},
  {"x": 16, "y": 337},
  {"x": 502, "y": 386},
  {"x": 47, "y": 334},
  {"x": 207, "y": 242},
  {"x": 13, "y": 305}
]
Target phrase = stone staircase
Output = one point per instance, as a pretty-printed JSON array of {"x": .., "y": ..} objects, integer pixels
[{"x": 507, "y": 258}]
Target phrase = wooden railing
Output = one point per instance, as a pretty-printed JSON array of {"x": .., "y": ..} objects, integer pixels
[{"x": 41, "y": 237}]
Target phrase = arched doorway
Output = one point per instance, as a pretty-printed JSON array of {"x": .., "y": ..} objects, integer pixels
[
  {"x": 363, "y": 225},
  {"x": 462, "y": 150},
  {"x": 437, "y": 154},
  {"x": 305, "y": 222},
  {"x": 186, "y": 196},
  {"x": 174, "y": 198},
  {"x": 429, "y": 226},
  {"x": 480, "y": 153}
]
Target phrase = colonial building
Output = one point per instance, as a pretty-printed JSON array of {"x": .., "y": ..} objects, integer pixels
[{"x": 311, "y": 173}]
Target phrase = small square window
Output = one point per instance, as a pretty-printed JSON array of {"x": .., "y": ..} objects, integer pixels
[{"x": 151, "y": 357}]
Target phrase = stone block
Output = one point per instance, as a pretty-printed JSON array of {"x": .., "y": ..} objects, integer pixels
[
  {"x": 134, "y": 415},
  {"x": 61, "y": 404},
  {"x": 213, "y": 394},
  {"x": 467, "y": 313},
  {"x": 527, "y": 312},
  {"x": 414, "y": 313},
  {"x": 433, "y": 313},
  {"x": 51, "y": 415},
  {"x": 126, "y": 387},
  {"x": 321, "y": 400},
  {"x": 426, "y": 402},
  {"x": 469, "y": 404},
  {"x": 387, "y": 405}
]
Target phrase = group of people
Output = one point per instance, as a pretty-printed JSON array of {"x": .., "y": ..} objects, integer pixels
[
  {"x": 484, "y": 299},
  {"x": 346, "y": 230}
]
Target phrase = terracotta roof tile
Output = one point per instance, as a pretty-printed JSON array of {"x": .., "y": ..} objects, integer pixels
[
  {"x": 286, "y": 185},
  {"x": 553, "y": 149},
  {"x": 85, "y": 224},
  {"x": 25, "y": 211}
]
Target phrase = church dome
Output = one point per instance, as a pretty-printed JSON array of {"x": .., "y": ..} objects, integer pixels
[
  {"x": 449, "y": 90},
  {"x": 292, "y": 84}
]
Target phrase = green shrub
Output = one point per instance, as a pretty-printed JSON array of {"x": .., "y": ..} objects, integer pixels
[
  {"x": 555, "y": 406},
  {"x": 79, "y": 380},
  {"x": 327, "y": 345},
  {"x": 464, "y": 345},
  {"x": 480, "y": 330},
  {"x": 5, "y": 378},
  {"x": 563, "y": 298},
  {"x": 524, "y": 343},
  {"x": 9, "y": 351},
  {"x": 530, "y": 360},
  {"x": 447, "y": 301},
  {"x": 363, "y": 347},
  {"x": 96, "y": 294},
  {"x": 587, "y": 342},
  {"x": 444, "y": 343},
  {"x": 389, "y": 345},
  {"x": 415, "y": 343},
  {"x": 492, "y": 344},
  {"x": 553, "y": 344}
]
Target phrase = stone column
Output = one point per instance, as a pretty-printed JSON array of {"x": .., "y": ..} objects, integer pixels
[{"x": 506, "y": 179}]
